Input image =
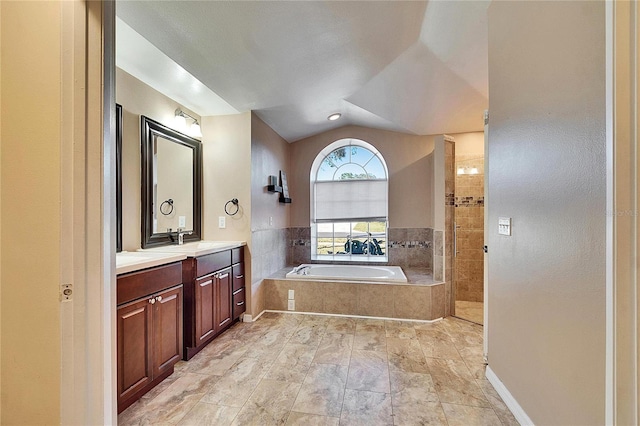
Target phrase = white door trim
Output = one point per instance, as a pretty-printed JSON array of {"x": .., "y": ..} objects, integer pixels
[
  {"x": 87, "y": 239},
  {"x": 622, "y": 218}
]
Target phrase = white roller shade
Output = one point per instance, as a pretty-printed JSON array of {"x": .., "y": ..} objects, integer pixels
[{"x": 351, "y": 199}]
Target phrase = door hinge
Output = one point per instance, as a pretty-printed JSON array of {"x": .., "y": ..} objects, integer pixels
[{"x": 485, "y": 249}]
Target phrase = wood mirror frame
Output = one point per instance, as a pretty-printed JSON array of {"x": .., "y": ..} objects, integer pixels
[{"x": 151, "y": 129}]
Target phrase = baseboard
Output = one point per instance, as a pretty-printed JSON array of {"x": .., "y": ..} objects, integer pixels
[
  {"x": 258, "y": 316},
  {"x": 349, "y": 316},
  {"x": 520, "y": 415}
]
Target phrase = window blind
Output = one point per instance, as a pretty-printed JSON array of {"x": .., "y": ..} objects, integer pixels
[{"x": 350, "y": 200}]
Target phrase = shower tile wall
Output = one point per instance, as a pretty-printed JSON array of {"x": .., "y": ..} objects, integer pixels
[
  {"x": 469, "y": 216},
  {"x": 449, "y": 213},
  {"x": 408, "y": 247}
]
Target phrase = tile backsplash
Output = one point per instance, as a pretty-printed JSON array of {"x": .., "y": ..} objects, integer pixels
[{"x": 408, "y": 247}]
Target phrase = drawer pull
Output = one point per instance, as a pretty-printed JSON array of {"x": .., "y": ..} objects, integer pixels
[
  {"x": 206, "y": 283},
  {"x": 223, "y": 276},
  {"x": 239, "y": 277},
  {"x": 152, "y": 301},
  {"x": 240, "y": 303}
]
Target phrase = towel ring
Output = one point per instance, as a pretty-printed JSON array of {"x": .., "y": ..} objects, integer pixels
[
  {"x": 235, "y": 203},
  {"x": 168, "y": 209}
]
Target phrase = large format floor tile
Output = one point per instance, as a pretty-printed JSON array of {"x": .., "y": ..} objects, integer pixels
[{"x": 297, "y": 369}]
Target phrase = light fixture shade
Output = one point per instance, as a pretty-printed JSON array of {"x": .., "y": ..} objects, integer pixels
[
  {"x": 180, "y": 122},
  {"x": 195, "y": 130},
  {"x": 474, "y": 171},
  {"x": 460, "y": 170}
]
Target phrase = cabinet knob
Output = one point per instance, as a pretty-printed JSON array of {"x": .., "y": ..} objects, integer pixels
[
  {"x": 152, "y": 301},
  {"x": 159, "y": 298}
]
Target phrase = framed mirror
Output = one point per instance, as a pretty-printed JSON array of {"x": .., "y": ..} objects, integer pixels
[
  {"x": 171, "y": 185},
  {"x": 118, "y": 178}
]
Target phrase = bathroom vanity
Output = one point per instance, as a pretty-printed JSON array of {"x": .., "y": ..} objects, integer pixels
[
  {"x": 149, "y": 315},
  {"x": 214, "y": 289},
  {"x": 214, "y": 296}
]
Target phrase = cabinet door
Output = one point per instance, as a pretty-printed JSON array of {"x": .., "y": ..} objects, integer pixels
[
  {"x": 238, "y": 276},
  {"x": 204, "y": 301},
  {"x": 167, "y": 325},
  {"x": 223, "y": 299},
  {"x": 135, "y": 368}
]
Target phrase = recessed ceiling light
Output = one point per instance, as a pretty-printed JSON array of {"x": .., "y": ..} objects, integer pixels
[{"x": 334, "y": 117}]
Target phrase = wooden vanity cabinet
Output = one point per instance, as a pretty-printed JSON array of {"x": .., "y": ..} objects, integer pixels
[
  {"x": 209, "y": 307},
  {"x": 213, "y": 307},
  {"x": 149, "y": 329},
  {"x": 238, "y": 305}
]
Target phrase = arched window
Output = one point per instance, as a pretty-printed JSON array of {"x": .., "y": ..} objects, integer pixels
[{"x": 349, "y": 203}]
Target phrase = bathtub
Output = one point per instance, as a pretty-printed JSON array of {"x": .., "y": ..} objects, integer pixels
[{"x": 365, "y": 273}]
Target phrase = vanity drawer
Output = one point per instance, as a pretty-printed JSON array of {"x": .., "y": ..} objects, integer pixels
[
  {"x": 237, "y": 255},
  {"x": 237, "y": 276},
  {"x": 239, "y": 305},
  {"x": 212, "y": 262},
  {"x": 139, "y": 284}
]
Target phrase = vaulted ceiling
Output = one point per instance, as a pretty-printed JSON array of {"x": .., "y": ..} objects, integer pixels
[{"x": 414, "y": 67}]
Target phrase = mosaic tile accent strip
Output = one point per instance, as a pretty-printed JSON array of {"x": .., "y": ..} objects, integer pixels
[
  {"x": 449, "y": 199},
  {"x": 409, "y": 244},
  {"x": 469, "y": 201}
]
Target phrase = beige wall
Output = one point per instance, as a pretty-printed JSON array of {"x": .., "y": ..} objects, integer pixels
[
  {"x": 269, "y": 155},
  {"x": 30, "y": 193},
  {"x": 410, "y": 173},
  {"x": 226, "y": 149},
  {"x": 547, "y": 156},
  {"x": 137, "y": 99},
  {"x": 469, "y": 144}
]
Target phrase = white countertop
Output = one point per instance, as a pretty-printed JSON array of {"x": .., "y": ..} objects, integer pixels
[
  {"x": 127, "y": 261},
  {"x": 195, "y": 249}
]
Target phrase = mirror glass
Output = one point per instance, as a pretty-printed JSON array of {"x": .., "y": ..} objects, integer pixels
[
  {"x": 118, "y": 178},
  {"x": 171, "y": 176}
]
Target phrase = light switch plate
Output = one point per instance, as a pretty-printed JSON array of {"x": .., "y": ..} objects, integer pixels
[
  {"x": 291, "y": 305},
  {"x": 291, "y": 295},
  {"x": 182, "y": 221},
  {"x": 504, "y": 226},
  {"x": 222, "y": 222}
]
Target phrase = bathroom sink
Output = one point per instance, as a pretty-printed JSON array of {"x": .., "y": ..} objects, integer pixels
[
  {"x": 135, "y": 261},
  {"x": 197, "y": 248}
]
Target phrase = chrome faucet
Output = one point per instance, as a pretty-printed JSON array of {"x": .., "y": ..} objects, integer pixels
[
  {"x": 302, "y": 270},
  {"x": 181, "y": 233}
]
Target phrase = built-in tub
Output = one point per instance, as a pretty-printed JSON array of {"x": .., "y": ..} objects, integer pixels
[{"x": 390, "y": 274}]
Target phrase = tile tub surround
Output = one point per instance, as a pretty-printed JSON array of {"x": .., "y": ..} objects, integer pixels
[
  {"x": 420, "y": 299},
  {"x": 272, "y": 372},
  {"x": 269, "y": 252},
  {"x": 407, "y": 247}
]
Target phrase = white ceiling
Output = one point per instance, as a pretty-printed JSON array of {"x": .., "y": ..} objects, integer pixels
[{"x": 415, "y": 67}]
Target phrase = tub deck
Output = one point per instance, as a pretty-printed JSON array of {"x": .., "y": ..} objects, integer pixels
[{"x": 421, "y": 298}]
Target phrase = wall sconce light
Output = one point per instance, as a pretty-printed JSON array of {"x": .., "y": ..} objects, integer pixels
[{"x": 181, "y": 123}]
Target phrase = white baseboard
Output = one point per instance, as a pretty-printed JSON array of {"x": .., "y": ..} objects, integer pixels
[
  {"x": 258, "y": 316},
  {"x": 349, "y": 316},
  {"x": 520, "y": 415}
]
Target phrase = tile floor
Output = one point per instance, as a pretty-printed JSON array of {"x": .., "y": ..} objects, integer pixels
[
  {"x": 297, "y": 369},
  {"x": 472, "y": 311}
]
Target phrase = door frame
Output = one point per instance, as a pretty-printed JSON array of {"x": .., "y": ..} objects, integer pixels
[{"x": 88, "y": 214}]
